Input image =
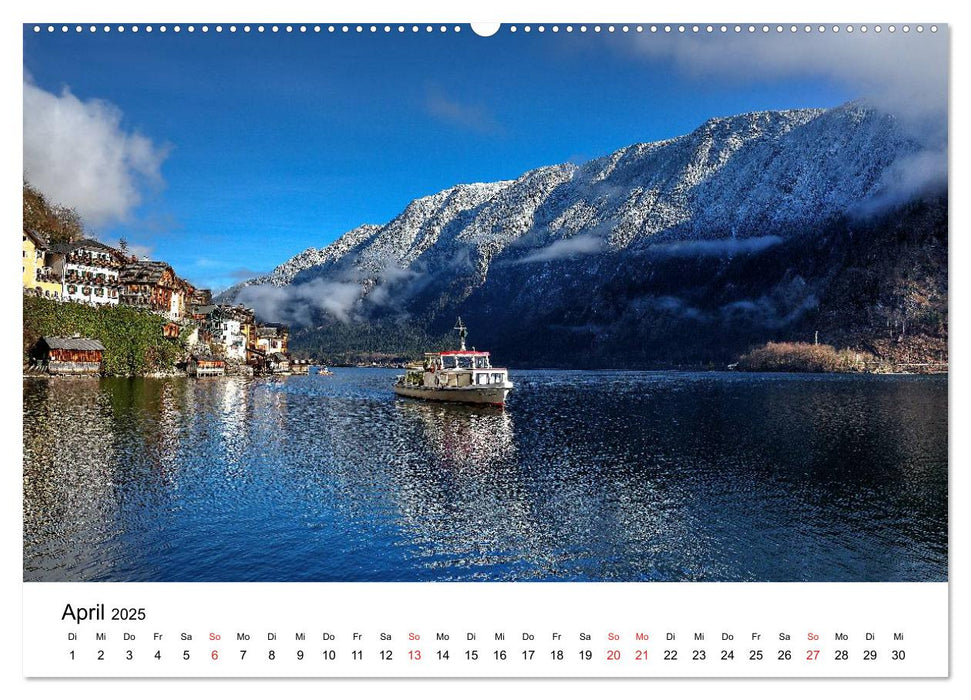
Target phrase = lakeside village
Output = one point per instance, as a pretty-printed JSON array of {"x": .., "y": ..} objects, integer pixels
[
  {"x": 91, "y": 309},
  {"x": 88, "y": 277}
]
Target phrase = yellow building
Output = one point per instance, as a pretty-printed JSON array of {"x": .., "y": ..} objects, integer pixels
[{"x": 38, "y": 278}]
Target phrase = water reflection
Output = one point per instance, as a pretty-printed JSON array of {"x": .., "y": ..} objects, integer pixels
[
  {"x": 467, "y": 507},
  {"x": 588, "y": 476},
  {"x": 467, "y": 437}
]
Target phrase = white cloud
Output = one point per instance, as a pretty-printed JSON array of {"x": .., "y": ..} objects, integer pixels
[
  {"x": 919, "y": 174},
  {"x": 903, "y": 73},
  {"x": 140, "y": 251},
  {"x": 351, "y": 298},
  {"x": 79, "y": 154},
  {"x": 565, "y": 248},
  {"x": 298, "y": 303}
]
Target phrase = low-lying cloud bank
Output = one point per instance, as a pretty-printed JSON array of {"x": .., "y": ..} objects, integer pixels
[
  {"x": 591, "y": 244},
  {"x": 919, "y": 175},
  {"x": 351, "y": 297},
  {"x": 300, "y": 304},
  {"x": 565, "y": 248}
]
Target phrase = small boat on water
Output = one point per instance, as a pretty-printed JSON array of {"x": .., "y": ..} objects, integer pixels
[{"x": 461, "y": 376}]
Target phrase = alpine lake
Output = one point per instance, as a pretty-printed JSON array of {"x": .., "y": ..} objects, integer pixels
[{"x": 584, "y": 476}]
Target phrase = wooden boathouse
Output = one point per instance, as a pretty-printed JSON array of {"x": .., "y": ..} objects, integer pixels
[
  {"x": 205, "y": 366},
  {"x": 75, "y": 355}
]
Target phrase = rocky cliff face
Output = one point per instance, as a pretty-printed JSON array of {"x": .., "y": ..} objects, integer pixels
[{"x": 704, "y": 235}]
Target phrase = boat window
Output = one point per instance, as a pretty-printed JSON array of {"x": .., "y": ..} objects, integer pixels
[
  {"x": 448, "y": 362},
  {"x": 482, "y": 378},
  {"x": 497, "y": 377},
  {"x": 465, "y": 361},
  {"x": 480, "y": 362}
]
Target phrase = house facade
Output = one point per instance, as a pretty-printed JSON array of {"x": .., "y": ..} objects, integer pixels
[
  {"x": 38, "y": 278},
  {"x": 153, "y": 285},
  {"x": 88, "y": 271},
  {"x": 232, "y": 329},
  {"x": 278, "y": 363},
  {"x": 171, "y": 330},
  {"x": 199, "y": 297},
  {"x": 228, "y": 335},
  {"x": 272, "y": 338}
]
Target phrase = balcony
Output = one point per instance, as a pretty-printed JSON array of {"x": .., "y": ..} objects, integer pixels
[
  {"x": 93, "y": 260},
  {"x": 46, "y": 274}
]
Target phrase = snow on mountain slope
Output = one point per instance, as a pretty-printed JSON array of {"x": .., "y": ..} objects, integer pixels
[{"x": 747, "y": 176}]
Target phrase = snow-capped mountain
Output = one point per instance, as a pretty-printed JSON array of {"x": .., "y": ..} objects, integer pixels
[{"x": 738, "y": 184}]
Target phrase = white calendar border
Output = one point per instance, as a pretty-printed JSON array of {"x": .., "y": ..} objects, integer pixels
[{"x": 519, "y": 11}]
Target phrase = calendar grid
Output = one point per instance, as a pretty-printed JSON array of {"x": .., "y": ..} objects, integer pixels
[{"x": 511, "y": 630}]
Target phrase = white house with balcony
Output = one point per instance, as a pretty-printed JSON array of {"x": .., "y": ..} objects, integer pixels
[
  {"x": 230, "y": 328},
  {"x": 88, "y": 271}
]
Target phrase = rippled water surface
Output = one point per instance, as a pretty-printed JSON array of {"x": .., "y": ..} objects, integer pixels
[{"x": 585, "y": 476}]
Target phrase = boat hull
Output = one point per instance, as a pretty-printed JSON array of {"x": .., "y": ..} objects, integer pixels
[{"x": 492, "y": 396}]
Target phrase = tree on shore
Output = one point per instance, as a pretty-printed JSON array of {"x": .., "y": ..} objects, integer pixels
[{"x": 59, "y": 224}]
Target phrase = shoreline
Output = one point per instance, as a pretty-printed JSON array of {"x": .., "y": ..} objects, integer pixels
[{"x": 684, "y": 370}]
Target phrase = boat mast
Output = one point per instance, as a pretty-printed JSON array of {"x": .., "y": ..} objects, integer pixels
[{"x": 463, "y": 331}]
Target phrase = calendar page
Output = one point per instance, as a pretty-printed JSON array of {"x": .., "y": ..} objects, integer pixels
[{"x": 546, "y": 349}]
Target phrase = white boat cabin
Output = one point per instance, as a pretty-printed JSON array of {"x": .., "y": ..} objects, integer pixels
[{"x": 456, "y": 368}]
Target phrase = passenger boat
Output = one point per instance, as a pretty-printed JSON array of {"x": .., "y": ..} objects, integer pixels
[{"x": 462, "y": 376}]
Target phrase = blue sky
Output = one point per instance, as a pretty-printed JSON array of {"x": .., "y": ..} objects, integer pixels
[{"x": 255, "y": 146}]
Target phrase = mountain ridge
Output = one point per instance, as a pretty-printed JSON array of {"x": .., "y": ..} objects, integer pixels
[
  {"x": 735, "y": 186},
  {"x": 420, "y": 212}
]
